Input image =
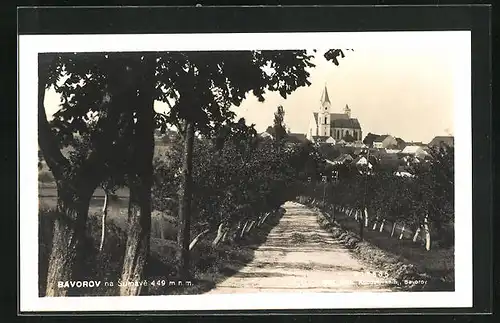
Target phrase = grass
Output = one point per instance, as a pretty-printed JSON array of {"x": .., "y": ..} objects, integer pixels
[
  {"x": 436, "y": 262},
  {"x": 209, "y": 265},
  {"x": 403, "y": 260}
]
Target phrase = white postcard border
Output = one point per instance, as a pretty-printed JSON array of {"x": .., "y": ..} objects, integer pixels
[{"x": 31, "y": 45}]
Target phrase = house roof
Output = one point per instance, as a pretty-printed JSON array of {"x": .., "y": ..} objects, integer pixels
[
  {"x": 342, "y": 158},
  {"x": 370, "y": 137},
  {"x": 400, "y": 141},
  {"x": 357, "y": 159},
  {"x": 439, "y": 140},
  {"x": 412, "y": 150},
  {"x": 320, "y": 138},
  {"x": 352, "y": 123},
  {"x": 380, "y": 138}
]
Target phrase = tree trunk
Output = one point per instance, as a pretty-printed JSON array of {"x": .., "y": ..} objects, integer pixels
[
  {"x": 138, "y": 235},
  {"x": 236, "y": 232},
  {"x": 74, "y": 189},
  {"x": 224, "y": 236},
  {"x": 415, "y": 236},
  {"x": 250, "y": 226},
  {"x": 402, "y": 232},
  {"x": 243, "y": 230},
  {"x": 196, "y": 239},
  {"x": 366, "y": 217},
  {"x": 382, "y": 226},
  {"x": 68, "y": 243},
  {"x": 137, "y": 247},
  {"x": 393, "y": 228},
  {"x": 140, "y": 184},
  {"x": 103, "y": 221},
  {"x": 220, "y": 233},
  {"x": 183, "y": 236},
  {"x": 264, "y": 219},
  {"x": 427, "y": 234}
]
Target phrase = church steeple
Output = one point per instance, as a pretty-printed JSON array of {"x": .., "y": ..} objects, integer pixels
[
  {"x": 325, "y": 114},
  {"x": 347, "y": 110},
  {"x": 324, "y": 97}
]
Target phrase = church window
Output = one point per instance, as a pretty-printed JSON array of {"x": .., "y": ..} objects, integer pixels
[
  {"x": 338, "y": 134},
  {"x": 326, "y": 120}
]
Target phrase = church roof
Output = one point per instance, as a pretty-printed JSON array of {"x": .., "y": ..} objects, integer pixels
[
  {"x": 340, "y": 120},
  {"x": 352, "y": 123},
  {"x": 335, "y": 116},
  {"x": 324, "y": 96}
]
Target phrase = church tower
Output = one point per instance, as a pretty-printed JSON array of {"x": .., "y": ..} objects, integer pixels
[
  {"x": 347, "y": 111},
  {"x": 324, "y": 114}
]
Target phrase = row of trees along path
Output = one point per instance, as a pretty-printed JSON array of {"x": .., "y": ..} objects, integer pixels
[
  {"x": 421, "y": 203},
  {"x": 108, "y": 99}
]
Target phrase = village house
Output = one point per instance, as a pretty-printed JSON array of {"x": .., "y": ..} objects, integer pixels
[
  {"x": 336, "y": 125},
  {"x": 362, "y": 161},
  {"x": 323, "y": 140},
  {"x": 385, "y": 141},
  {"x": 342, "y": 159},
  {"x": 442, "y": 140},
  {"x": 416, "y": 151}
]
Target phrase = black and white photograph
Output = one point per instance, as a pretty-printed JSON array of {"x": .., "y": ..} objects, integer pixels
[{"x": 245, "y": 171}]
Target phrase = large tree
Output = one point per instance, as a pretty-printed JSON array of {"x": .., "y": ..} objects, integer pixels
[
  {"x": 77, "y": 178},
  {"x": 119, "y": 90}
]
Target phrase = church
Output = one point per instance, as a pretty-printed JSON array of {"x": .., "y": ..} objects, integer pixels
[{"x": 326, "y": 124}]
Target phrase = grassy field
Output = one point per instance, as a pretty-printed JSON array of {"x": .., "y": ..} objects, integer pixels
[
  {"x": 47, "y": 197},
  {"x": 437, "y": 263}
]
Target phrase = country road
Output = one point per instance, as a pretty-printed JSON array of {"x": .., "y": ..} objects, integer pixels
[{"x": 299, "y": 256}]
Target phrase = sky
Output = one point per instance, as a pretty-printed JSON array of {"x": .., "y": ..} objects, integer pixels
[
  {"x": 405, "y": 89},
  {"x": 404, "y": 93}
]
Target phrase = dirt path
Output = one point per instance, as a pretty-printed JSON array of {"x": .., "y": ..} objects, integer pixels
[{"x": 299, "y": 256}]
